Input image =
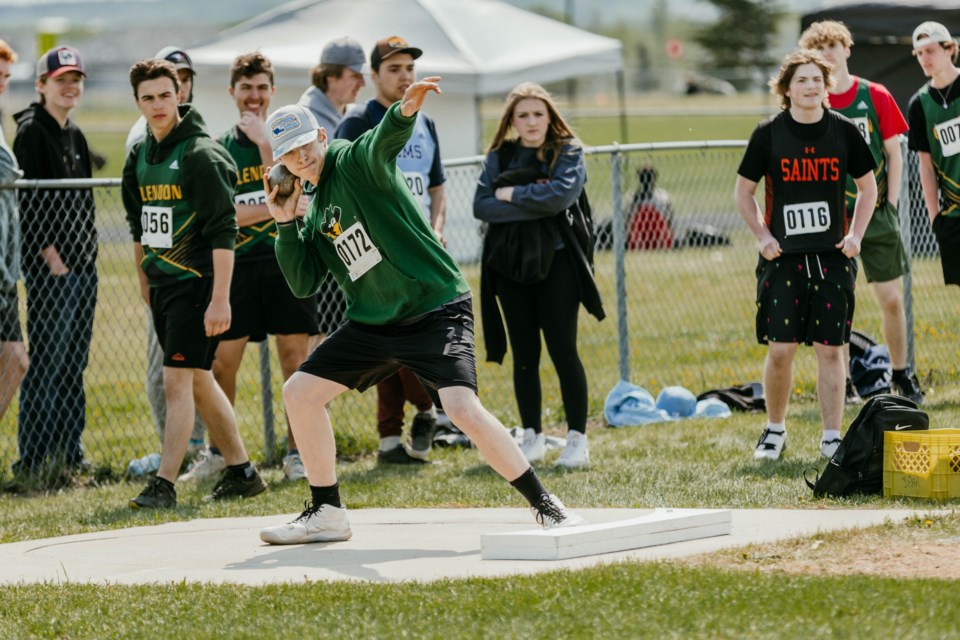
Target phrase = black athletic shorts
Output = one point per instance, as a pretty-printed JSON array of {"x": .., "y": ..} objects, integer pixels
[
  {"x": 262, "y": 304},
  {"x": 10, "y": 330},
  {"x": 947, "y": 231},
  {"x": 806, "y": 297},
  {"x": 437, "y": 346},
  {"x": 178, "y": 319}
]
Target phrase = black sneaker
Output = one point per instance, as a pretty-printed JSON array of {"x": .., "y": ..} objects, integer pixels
[
  {"x": 156, "y": 495},
  {"x": 398, "y": 455},
  {"x": 850, "y": 395},
  {"x": 421, "y": 434},
  {"x": 231, "y": 486},
  {"x": 906, "y": 384}
]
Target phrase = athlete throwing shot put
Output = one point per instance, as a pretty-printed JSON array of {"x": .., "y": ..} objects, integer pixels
[
  {"x": 407, "y": 304},
  {"x": 806, "y": 271}
]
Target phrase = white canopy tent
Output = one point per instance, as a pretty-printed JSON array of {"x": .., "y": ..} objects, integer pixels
[{"x": 479, "y": 47}]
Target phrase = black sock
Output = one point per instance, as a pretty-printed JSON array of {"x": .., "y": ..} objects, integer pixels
[
  {"x": 529, "y": 485},
  {"x": 326, "y": 495},
  {"x": 899, "y": 373},
  {"x": 215, "y": 451},
  {"x": 241, "y": 471},
  {"x": 166, "y": 482}
]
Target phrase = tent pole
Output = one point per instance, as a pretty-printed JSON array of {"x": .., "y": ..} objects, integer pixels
[{"x": 622, "y": 95}]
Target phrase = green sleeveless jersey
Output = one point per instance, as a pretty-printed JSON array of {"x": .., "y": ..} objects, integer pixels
[
  {"x": 254, "y": 242},
  {"x": 173, "y": 246},
  {"x": 943, "y": 134},
  {"x": 863, "y": 113}
]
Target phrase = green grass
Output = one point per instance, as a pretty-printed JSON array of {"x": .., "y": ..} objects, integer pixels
[{"x": 616, "y": 601}]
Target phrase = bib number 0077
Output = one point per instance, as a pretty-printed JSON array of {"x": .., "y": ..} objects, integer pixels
[{"x": 807, "y": 217}]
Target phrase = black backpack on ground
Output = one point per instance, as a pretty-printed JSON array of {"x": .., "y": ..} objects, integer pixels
[{"x": 857, "y": 466}]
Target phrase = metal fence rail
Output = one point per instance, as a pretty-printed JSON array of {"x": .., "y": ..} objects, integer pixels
[{"x": 679, "y": 299}]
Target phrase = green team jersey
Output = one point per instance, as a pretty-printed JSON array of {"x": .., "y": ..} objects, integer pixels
[
  {"x": 943, "y": 134},
  {"x": 255, "y": 241},
  {"x": 863, "y": 113},
  {"x": 365, "y": 228},
  {"x": 178, "y": 196}
]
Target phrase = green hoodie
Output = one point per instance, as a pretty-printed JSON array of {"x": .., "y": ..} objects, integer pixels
[
  {"x": 182, "y": 188},
  {"x": 365, "y": 228}
]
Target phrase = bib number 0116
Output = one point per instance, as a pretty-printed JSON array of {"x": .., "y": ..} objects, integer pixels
[{"x": 807, "y": 217}]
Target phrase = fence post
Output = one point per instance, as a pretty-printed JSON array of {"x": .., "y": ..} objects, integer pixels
[
  {"x": 619, "y": 248},
  {"x": 906, "y": 196},
  {"x": 266, "y": 398}
]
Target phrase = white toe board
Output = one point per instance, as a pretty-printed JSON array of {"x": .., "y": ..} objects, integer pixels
[{"x": 663, "y": 526}]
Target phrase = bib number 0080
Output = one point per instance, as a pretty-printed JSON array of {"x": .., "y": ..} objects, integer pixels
[
  {"x": 806, "y": 217},
  {"x": 356, "y": 251}
]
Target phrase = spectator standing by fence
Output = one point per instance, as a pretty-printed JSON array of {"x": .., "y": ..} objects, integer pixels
[
  {"x": 934, "y": 113},
  {"x": 805, "y": 273},
  {"x": 392, "y": 65},
  {"x": 178, "y": 194},
  {"x": 260, "y": 300},
  {"x": 871, "y": 107},
  {"x": 335, "y": 83},
  {"x": 409, "y": 305},
  {"x": 59, "y": 252},
  {"x": 154, "y": 379},
  {"x": 13, "y": 355},
  {"x": 526, "y": 185}
]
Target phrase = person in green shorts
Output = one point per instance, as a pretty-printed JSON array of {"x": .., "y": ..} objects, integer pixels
[
  {"x": 178, "y": 195},
  {"x": 408, "y": 304},
  {"x": 884, "y": 258}
]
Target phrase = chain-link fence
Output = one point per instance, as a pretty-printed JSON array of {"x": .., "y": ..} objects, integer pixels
[{"x": 675, "y": 265}]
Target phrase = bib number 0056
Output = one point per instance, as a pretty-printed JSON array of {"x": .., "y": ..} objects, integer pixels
[
  {"x": 806, "y": 217},
  {"x": 157, "y": 227},
  {"x": 356, "y": 251}
]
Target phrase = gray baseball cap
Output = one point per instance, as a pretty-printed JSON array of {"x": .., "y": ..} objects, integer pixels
[
  {"x": 290, "y": 127},
  {"x": 345, "y": 51}
]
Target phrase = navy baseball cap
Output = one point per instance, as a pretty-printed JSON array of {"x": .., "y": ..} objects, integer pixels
[
  {"x": 178, "y": 57},
  {"x": 59, "y": 60}
]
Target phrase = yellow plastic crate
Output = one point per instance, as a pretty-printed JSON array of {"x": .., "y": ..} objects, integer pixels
[{"x": 922, "y": 464}]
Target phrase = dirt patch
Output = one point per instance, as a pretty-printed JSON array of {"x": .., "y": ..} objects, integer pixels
[{"x": 917, "y": 548}]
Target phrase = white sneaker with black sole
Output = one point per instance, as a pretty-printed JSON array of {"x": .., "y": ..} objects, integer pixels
[
  {"x": 325, "y": 523},
  {"x": 551, "y": 514},
  {"x": 771, "y": 445}
]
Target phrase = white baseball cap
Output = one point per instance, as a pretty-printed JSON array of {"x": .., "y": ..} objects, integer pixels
[
  {"x": 290, "y": 127},
  {"x": 930, "y": 33}
]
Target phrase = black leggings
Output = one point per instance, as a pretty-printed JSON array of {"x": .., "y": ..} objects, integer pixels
[{"x": 551, "y": 306}]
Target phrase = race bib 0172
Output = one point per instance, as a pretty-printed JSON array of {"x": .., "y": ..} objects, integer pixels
[
  {"x": 356, "y": 251},
  {"x": 806, "y": 217}
]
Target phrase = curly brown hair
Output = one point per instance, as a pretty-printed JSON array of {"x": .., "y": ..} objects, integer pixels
[{"x": 780, "y": 84}]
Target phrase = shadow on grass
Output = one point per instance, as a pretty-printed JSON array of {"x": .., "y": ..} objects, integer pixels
[{"x": 769, "y": 469}]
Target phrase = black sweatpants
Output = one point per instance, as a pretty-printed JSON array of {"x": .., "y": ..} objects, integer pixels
[{"x": 550, "y": 306}]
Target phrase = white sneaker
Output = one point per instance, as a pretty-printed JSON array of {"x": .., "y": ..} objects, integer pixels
[
  {"x": 551, "y": 513},
  {"x": 533, "y": 446},
  {"x": 206, "y": 465},
  {"x": 325, "y": 523},
  {"x": 829, "y": 447},
  {"x": 770, "y": 445},
  {"x": 577, "y": 452},
  {"x": 293, "y": 467}
]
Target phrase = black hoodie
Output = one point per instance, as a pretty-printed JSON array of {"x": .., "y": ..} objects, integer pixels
[{"x": 63, "y": 218}]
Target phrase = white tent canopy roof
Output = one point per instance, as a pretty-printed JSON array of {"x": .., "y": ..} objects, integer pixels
[{"x": 479, "y": 47}]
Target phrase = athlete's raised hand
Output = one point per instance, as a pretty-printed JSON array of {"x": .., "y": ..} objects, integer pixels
[{"x": 415, "y": 94}]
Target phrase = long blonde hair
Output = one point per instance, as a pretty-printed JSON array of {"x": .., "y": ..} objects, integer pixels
[{"x": 559, "y": 132}]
